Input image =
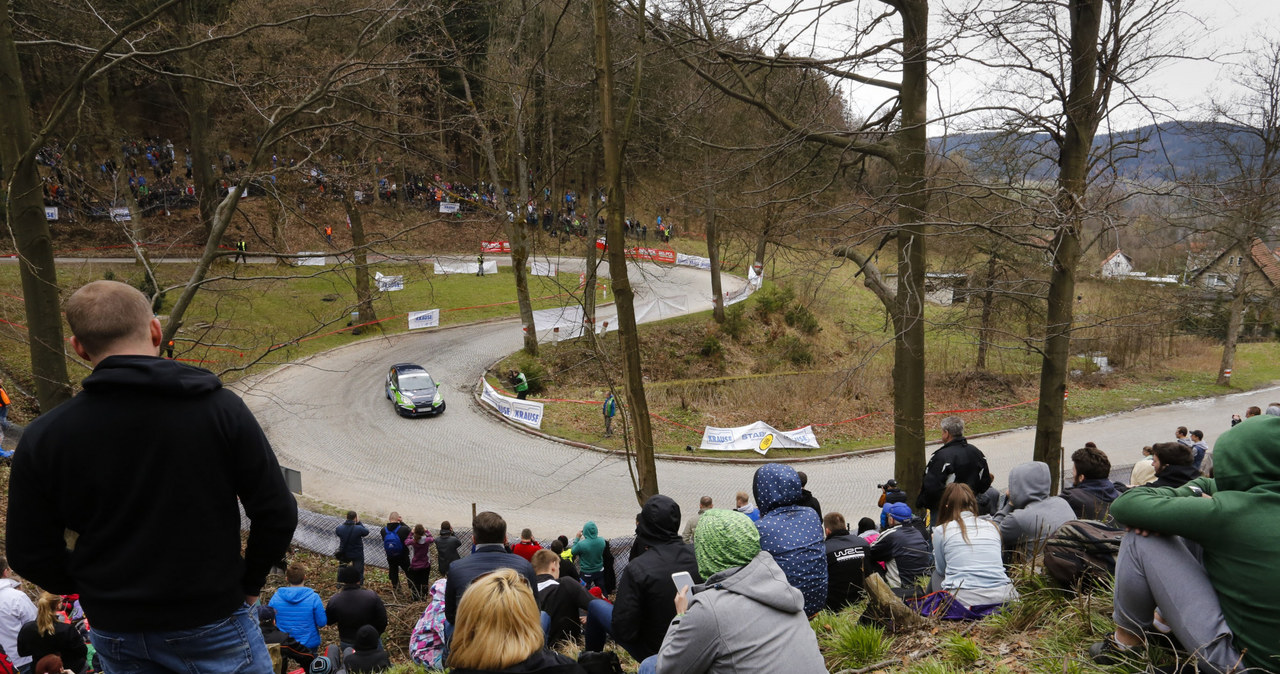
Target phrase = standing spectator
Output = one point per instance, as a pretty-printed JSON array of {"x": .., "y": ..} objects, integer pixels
[
  {"x": 184, "y": 430},
  {"x": 299, "y": 611},
  {"x": 353, "y": 607},
  {"x": 967, "y": 552},
  {"x": 1202, "y": 455},
  {"x": 395, "y": 538},
  {"x": 48, "y": 634},
  {"x": 643, "y": 607},
  {"x": 955, "y": 461},
  {"x": 350, "y": 547},
  {"x": 589, "y": 548},
  {"x": 744, "y": 506},
  {"x": 1030, "y": 516},
  {"x": 792, "y": 533},
  {"x": 16, "y": 610},
  {"x": 1144, "y": 470},
  {"x": 480, "y": 264},
  {"x": 520, "y": 383},
  {"x": 847, "y": 563},
  {"x": 1092, "y": 491},
  {"x": 527, "y": 546},
  {"x": 746, "y": 618},
  {"x": 567, "y": 569},
  {"x": 5, "y": 403},
  {"x": 328, "y": 232},
  {"x": 610, "y": 409},
  {"x": 903, "y": 550},
  {"x": 447, "y": 546},
  {"x": 419, "y": 573},
  {"x": 490, "y": 554},
  {"x": 806, "y": 499},
  {"x": 368, "y": 657},
  {"x": 704, "y": 504},
  {"x": 499, "y": 630}
]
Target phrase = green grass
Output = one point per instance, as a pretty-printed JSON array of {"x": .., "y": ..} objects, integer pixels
[{"x": 851, "y": 644}]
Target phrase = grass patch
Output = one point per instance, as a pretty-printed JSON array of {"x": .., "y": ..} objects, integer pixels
[{"x": 851, "y": 644}]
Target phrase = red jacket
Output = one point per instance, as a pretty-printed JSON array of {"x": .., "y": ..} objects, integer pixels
[{"x": 526, "y": 550}]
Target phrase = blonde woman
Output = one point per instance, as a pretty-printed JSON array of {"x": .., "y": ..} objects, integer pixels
[
  {"x": 48, "y": 634},
  {"x": 499, "y": 629}
]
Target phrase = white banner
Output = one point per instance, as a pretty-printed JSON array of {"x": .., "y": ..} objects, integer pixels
[
  {"x": 388, "y": 283},
  {"x": 758, "y": 437},
  {"x": 313, "y": 259},
  {"x": 446, "y": 266},
  {"x": 693, "y": 261},
  {"x": 50, "y": 213},
  {"x": 526, "y": 412},
  {"x": 543, "y": 268},
  {"x": 753, "y": 284},
  {"x": 120, "y": 214},
  {"x": 424, "y": 319},
  {"x": 359, "y": 195},
  {"x": 447, "y": 207}
]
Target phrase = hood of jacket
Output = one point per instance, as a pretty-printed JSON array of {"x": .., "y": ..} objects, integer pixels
[
  {"x": 1247, "y": 457},
  {"x": 1101, "y": 487},
  {"x": 763, "y": 581},
  {"x": 590, "y": 531},
  {"x": 1178, "y": 475},
  {"x": 294, "y": 594},
  {"x": 659, "y": 522},
  {"x": 151, "y": 373},
  {"x": 1029, "y": 483},
  {"x": 776, "y": 485},
  {"x": 366, "y": 638}
]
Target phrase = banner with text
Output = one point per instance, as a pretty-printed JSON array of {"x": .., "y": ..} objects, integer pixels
[
  {"x": 758, "y": 437},
  {"x": 693, "y": 261},
  {"x": 495, "y": 246},
  {"x": 448, "y": 207},
  {"x": 642, "y": 253},
  {"x": 121, "y": 214},
  {"x": 526, "y": 412},
  {"x": 447, "y": 266},
  {"x": 424, "y": 319},
  {"x": 388, "y": 283}
]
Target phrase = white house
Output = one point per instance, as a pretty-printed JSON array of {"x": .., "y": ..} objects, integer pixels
[{"x": 1117, "y": 265}]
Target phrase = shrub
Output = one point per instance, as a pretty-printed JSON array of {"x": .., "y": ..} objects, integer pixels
[
  {"x": 773, "y": 300},
  {"x": 795, "y": 350},
  {"x": 711, "y": 346},
  {"x": 735, "y": 321},
  {"x": 534, "y": 371},
  {"x": 800, "y": 318}
]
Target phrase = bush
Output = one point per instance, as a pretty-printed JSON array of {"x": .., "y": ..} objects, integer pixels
[
  {"x": 735, "y": 321},
  {"x": 773, "y": 300},
  {"x": 800, "y": 318},
  {"x": 534, "y": 371},
  {"x": 711, "y": 346},
  {"x": 795, "y": 350}
]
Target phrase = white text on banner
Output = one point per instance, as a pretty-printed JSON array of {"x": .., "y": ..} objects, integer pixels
[
  {"x": 526, "y": 412},
  {"x": 758, "y": 437},
  {"x": 424, "y": 319}
]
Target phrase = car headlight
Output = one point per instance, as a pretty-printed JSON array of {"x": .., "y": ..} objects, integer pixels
[
  {"x": 404, "y": 401},
  {"x": 438, "y": 400}
]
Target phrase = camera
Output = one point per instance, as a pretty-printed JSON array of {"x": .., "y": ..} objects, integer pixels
[{"x": 888, "y": 485}]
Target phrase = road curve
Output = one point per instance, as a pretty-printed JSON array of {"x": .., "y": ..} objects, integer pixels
[{"x": 327, "y": 417}]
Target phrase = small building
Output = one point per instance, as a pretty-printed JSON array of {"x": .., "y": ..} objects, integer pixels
[
  {"x": 1221, "y": 271},
  {"x": 1117, "y": 265},
  {"x": 940, "y": 288}
]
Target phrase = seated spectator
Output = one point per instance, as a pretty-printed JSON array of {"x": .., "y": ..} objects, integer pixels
[
  {"x": 1143, "y": 472},
  {"x": 745, "y": 507},
  {"x": 867, "y": 530},
  {"x": 353, "y": 607},
  {"x": 1092, "y": 491},
  {"x": 49, "y": 635},
  {"x": 747, "y": 617},
  {"x": 1207, "y": 562},
  {"x": 299, "y": 611},
  {"x": 567, "y": 569},
  {"x": 51, "y": 664},
  {"x": 368, "y": 655},
  {"x": 446, "y": 548},
  {"x": 490, "y": 532},
  {"x": 704, "y": 504},
  {"x": 1172, "y": 461},
  {"x": 498, "y": 630},
  {"x": 646, "y": 594},
  {"x": 791, "y": 533},
  {"x": 561, "y": 600},
  {"x": 806, "y": 499},
  {"x": 426, "y": 642},
  {"x": 290, "y": 649},
  {"x": 589, "y": 548},
  {"x": 846, "y": 563},
  {"x": 1253, "y": 412},
  {"x": 527, "y": 546},
  {"x": 1029, "y": 516},
  {"x": 967, "y": 551},
  {"x": 903, "y": 550}
]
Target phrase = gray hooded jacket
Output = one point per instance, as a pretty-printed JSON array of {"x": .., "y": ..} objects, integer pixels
[
  {"x": 1030, "y": 516},
  {"x": 747, "y": 620}
]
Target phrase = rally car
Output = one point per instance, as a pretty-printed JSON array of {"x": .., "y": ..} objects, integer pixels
[{"x": 412, "y": 391}]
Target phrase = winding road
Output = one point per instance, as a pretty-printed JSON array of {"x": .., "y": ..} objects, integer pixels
[{"x": 327, "y": 417}]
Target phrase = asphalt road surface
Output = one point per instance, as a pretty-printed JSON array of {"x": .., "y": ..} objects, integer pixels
[{"x": 327, "y": 417}]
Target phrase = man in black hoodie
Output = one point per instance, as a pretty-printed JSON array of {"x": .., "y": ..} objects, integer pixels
[
  {"x": 147, "y": 443},
  {"x": 645, "y": 603},
  {"x": 353, "y": 607}
]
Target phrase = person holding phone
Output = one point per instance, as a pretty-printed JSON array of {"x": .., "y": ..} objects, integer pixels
[{"x": 745, "y": 602}]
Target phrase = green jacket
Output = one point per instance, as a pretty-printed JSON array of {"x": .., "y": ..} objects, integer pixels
[
  {"x": 1237, "y": 529},
  {"x": 522, "y": 382},
  {"x": 589, "y": 549}
]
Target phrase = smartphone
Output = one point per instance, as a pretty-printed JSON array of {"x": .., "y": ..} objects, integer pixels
[{"x": 682, "y": 579}]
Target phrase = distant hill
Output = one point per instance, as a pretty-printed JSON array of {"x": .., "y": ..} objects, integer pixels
[{"x": 1157, "y": 152}]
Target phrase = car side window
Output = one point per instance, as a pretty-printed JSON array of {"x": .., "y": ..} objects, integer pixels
[{"x": 395, "y": 381}]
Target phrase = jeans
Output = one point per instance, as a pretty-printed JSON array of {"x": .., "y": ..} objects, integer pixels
[
  {"x": 394, "y": 565},
  {"x": 593, "y": 579},
  {"x": 649, "y": 665},
  {"x": 233, "y": 645}
]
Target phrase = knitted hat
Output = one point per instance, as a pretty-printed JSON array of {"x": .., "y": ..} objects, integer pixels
[
  {"x": 898, "y": 511},
  {"x": 723, "y": 540},
  {"x": 349, "y": 575}
]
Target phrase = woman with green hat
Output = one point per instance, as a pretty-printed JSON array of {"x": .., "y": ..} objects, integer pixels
[{"x": 745, "y": 619}]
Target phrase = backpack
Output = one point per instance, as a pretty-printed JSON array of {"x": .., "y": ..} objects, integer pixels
[
  {"x": 6, "y": 665},
  {"x": 391, "y": 541},
  {"x": 1082, "y": 552}
]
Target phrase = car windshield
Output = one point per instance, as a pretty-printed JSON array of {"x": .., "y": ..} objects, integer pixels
[{"x": 416, "y": 382}]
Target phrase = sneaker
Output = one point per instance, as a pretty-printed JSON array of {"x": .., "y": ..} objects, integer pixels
[{"x": 1108, "y": 652}]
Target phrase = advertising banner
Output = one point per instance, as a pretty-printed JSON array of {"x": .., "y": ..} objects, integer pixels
[
  {"x": 424, "y": 319},
  {"x": 543, "y": 268},
  {"x": 448, "y": 207},
  {"x": 526, "y": 412},
  {"x": 388, "y": 283},
  {"x": 445, "y": 266},
  {"x": 121, "y": 214},
  {"x": 642, "y": 253},
  {"x": 758, "y": 437},
  {"x": 495, "y": 246},
  {"x": 693, "y": 261},
  {"x": 51, "y": 213},
  {"x": 753, "y": 284},
  {"x": 312, "y": 259}
]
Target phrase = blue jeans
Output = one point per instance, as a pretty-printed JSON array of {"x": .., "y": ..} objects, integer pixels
[
  {"x": 599, "y": 624},
  {"x": 649, "y": 665},
  {"x": 230, "y": 646}
]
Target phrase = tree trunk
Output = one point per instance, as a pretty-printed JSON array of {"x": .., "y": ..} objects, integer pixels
[
  {"x": 913, "y": 203},
  {"x": 24, "y": 208},
  {"x": 589, "y": 273},
  {"x": 713, "y": 252},
  {"x": 195, "y": 95},
  {"x": 520, "y": 237},
  {"x": 1239, "y": 294},
  {"x": 762, "y": 245},
  {"x": 1082, "y": 114},
  {"x": 984, "y": 324},
  {"x": 636, "y": 408},
  {"x": 364, "y": 295}
]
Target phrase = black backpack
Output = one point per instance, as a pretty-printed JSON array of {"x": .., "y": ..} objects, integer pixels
[
  {"x": 600, "y": 662},
  {"x": 1082, "y": 552}
]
